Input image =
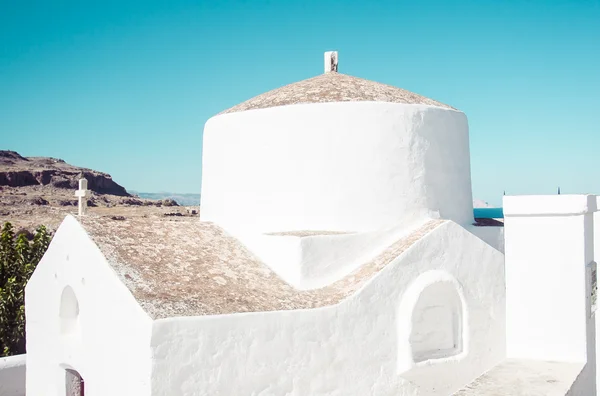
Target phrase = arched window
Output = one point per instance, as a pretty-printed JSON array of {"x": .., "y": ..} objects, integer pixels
[
  {"x": 436, "y": 323},
  {"x": 432, "y": 321},
  {"x": 69, "y": 311}
]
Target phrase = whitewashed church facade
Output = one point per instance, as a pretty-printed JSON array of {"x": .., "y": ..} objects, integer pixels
[{"x": 336, "y": 254}]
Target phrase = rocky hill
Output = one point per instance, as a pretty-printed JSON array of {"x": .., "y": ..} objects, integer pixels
[
  {"x": 41, "y": 190},
  {"x": 188, "y": 199},
  {"x": 18, "y": 171},
  {"x": 50, "y": 181}
]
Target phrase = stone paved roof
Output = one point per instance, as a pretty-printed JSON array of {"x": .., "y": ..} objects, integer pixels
[
  {"x": 191, "y": 268},
  {"x": 333, "y": 87},
  {"x": 520, "y": 377}
]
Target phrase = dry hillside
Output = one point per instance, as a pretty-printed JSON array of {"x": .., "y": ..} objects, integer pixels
[{"x": 41, "y": 190}]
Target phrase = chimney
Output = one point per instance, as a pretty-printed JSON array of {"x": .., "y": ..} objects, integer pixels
[{"x": 331, "y": 61}]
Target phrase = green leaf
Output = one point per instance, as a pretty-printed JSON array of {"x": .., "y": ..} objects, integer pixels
[{"x": 18, "y": 259}]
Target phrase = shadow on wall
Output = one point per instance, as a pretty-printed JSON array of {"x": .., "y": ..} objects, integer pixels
[{"x": 12, "y": 375}]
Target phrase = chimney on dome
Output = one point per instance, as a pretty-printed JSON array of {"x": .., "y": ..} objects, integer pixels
[{"x": 331, "y": 61}]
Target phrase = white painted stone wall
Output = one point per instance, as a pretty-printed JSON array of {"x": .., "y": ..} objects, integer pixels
[
  {"x": 12, "y": 375},
  {"x": 494, "y": 236},
  {"x": 311, "y": 262},
  {"x": 355, "y": 348},
  {"x": 547, "y": 251},
  {"x": 549, "y": 259},
  {"x": 107, "y": 342},
  {"x": 596, "y": 314},
  {"x": 351, "y": 166}
]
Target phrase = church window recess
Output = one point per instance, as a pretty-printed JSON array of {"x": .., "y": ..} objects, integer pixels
[
  {"x": 437, "y": 322},
  {"x": 69, "y": 311}
]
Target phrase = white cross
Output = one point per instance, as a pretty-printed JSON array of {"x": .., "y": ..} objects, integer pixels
[{"x": 82, "y": 193}]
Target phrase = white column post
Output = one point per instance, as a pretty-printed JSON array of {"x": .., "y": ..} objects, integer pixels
[
  {"x": 549, "y": 251},
  {"x": 331, "y": 61}
]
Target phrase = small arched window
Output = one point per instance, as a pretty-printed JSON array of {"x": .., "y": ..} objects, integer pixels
[
  {"x": 437, "y": 323},
  {"x": 69, "y": 311},
  {"x": 432, "y": 321}
]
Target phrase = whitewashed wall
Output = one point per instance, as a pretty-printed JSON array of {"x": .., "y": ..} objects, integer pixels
[
  {"x": 12, "y": 375},
  {"x": 549, "y": 255},
  {"x": 109, "y": 342},
  {"x": 311, "y": 262},
  {"x": 494, "y": 236},
  {"x": 596, "y": 314},
  {"x": 546, "y": 262},
  {"x": 357, "y": 347},
  {"x": 351, "y": 166}
]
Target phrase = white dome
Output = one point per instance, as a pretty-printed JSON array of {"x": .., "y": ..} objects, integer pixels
[
  {"x": 344, "y": 166},
  {"x": 335, "y": 153}
]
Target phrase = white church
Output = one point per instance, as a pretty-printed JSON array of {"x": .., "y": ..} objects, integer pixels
[{"x": 336, "y": 254}]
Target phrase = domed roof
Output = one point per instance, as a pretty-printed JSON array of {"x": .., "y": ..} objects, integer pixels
[{"x": 333, "y": 87}]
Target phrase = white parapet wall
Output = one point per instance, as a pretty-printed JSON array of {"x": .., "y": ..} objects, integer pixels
[
  {"x": 550, "y": 282},
  {"x": 351, "y": 167},
  {"x": 548, "y": 250},
  {"x": 12, "y": 375}
]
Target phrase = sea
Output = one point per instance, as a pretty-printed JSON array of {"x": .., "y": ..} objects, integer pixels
[
  {"x": 194, "y": 200},
  {"x": 488, "y": 213}
]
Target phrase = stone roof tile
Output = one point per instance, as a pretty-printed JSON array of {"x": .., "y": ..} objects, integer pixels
[
  {"x": 333, "y": 87},
  {"x": 192, "y": 268}
]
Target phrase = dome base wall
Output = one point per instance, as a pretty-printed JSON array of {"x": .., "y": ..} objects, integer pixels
[{"x": 348, "y": 166}]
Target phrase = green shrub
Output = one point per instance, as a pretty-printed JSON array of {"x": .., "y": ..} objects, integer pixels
[{"x": 18, "y": 259}]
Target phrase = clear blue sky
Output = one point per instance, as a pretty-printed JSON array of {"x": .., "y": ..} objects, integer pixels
[{"x": 126, "y": 86}]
